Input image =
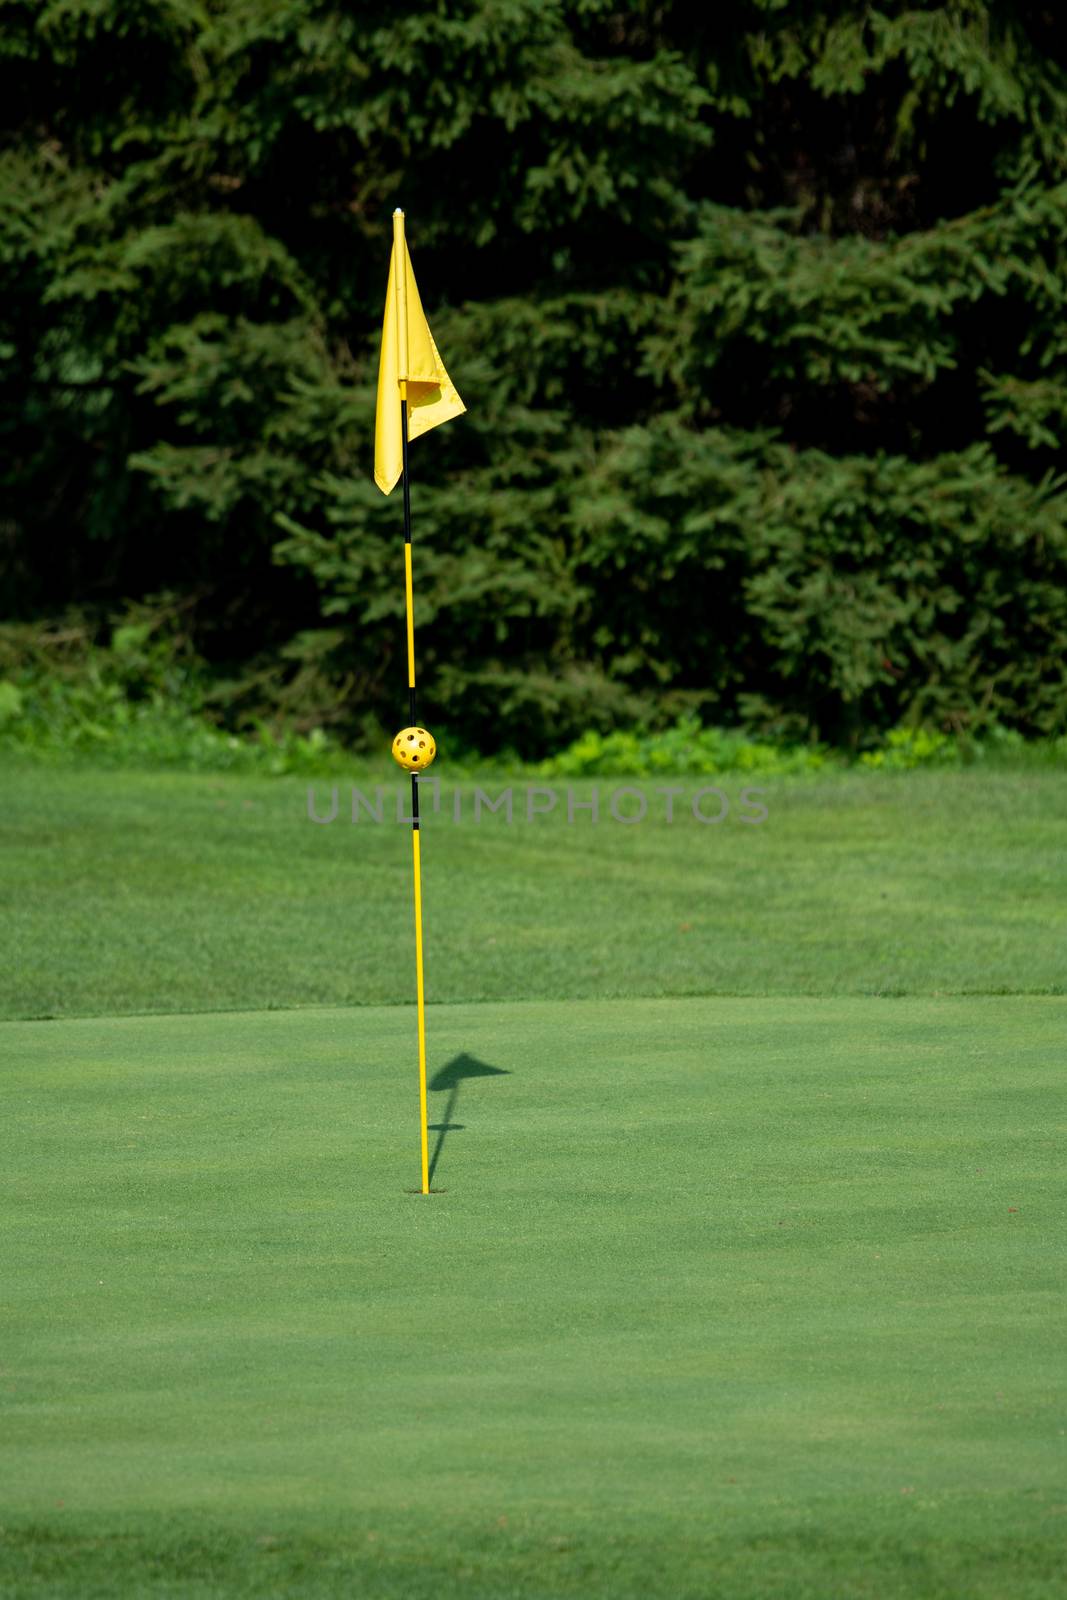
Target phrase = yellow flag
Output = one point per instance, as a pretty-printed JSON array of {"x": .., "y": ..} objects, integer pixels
[{"x": 409, "y": 356}]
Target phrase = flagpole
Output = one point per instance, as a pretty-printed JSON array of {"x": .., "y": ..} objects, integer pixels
[{"x": 400, "y": 284}]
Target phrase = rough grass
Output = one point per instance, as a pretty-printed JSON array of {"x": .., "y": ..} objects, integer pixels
[{"x": 127, "y": 891}]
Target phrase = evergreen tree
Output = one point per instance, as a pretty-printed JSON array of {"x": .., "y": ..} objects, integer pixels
[{"x": 757, "y": 311}]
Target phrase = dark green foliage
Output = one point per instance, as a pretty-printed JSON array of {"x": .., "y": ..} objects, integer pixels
[
  {"x": 759, "y": 311},
  {"x": 140, "y": 698},
  {"x": 874, "y": 585}
]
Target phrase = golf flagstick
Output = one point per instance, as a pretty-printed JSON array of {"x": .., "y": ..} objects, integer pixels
[
  {"x": 414, "y": 391},
  {"x": 401, "y": 291}
]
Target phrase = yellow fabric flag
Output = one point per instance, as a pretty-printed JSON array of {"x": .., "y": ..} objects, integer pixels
[{"x": 408, "y": 354}]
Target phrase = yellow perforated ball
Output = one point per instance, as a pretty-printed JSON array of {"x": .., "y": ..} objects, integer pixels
[{"x": 414, "y": 749}]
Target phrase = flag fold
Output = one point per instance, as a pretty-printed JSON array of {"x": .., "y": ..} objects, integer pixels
[{"x": 431, "y": 394}]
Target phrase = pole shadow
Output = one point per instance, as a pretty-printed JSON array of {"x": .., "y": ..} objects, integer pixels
[{"x": 448, "y": 1080}]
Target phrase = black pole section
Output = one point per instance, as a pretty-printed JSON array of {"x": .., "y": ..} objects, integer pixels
[{"x": 407, "y": 540}]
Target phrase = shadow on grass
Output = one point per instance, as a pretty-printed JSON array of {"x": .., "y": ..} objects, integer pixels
[{"x": 448, "y": 1081}]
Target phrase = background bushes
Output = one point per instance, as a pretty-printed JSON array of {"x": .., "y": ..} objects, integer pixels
[{"x": 758, "y": 311}]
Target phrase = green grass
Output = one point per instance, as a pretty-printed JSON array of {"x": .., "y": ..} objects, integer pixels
[
  {"x": 127, "y": 891},
  {"x": 743, "y": 1298},
  {"x": 725, "y": 1299}
]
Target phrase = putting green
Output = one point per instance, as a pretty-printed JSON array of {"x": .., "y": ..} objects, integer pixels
[{"x": 735, "y": 1297}]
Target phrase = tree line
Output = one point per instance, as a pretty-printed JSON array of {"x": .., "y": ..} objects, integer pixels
[{"x": 757, "y": 309}]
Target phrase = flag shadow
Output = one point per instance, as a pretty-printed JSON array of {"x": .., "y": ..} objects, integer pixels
[{"x": 448, "y": 1080}]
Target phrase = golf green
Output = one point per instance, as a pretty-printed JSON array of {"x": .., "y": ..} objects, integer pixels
[{"x": 722, "y": 1297}]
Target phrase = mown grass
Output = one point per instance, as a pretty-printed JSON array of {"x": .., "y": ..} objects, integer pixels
[
  {"x": 131, "y": 891},
  {"x": 744, "y": 1298}
]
